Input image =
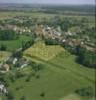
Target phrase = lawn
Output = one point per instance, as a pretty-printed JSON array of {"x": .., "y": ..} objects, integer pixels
[
  {"x": 15, "y": 44},
  {"x": 58, "y": 80}
]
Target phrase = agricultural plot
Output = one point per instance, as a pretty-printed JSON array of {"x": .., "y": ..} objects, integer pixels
[{"x": 40, "y": 50}]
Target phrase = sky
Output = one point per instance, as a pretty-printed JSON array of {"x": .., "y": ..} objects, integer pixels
[{"x": 50, "y": 1}]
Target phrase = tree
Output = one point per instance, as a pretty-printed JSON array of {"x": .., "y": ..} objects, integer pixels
[
  {"x": 22, "y": 98},
  {"x": 42, "y": 94},
  {"x": 8, "y": 35},
  {"x": 49, "y": 41},
  {"x": 86, "y": 57},
  {"x": 3, "y": 47}
]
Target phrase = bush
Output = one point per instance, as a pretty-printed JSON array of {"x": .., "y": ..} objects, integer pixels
[
  {"x": 36, "y": 67},
  {"x": 27, "y": 44},
  {"x": 85, "y": 92},
  {"x": 42, "y": 94},
  {"x": 49, "y": 41},
  {"x": 10, "y": 96},
  {"x": 22, "y": 98},
  {"x": 3, "y": 47}
]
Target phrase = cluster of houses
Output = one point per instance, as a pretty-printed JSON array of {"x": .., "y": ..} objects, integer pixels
[
  {"x": 51, "y": 32},
  {"x": 46, "y": 31},
  {"x": 5, "y": 66},
  {"x": 19, "y": 30}
]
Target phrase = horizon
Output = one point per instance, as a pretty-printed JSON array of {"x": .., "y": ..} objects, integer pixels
[{"x": 50, "y": 2}]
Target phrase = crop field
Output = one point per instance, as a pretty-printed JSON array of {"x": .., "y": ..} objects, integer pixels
[
  {"x": 58, "y": 80},
  {"x": 40, "y": 50},
  {"x": 15, "y": 44}
]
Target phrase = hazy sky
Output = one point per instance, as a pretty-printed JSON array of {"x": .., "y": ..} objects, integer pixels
[{"x": 50, "y": 1}]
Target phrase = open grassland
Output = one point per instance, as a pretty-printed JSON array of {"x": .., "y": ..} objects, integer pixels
[
  {"x": 58, "y": 80},
  {"x": 15, "y": 44}
]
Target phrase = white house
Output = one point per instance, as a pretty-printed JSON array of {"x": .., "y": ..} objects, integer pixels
[
  {"x": 15, "y": 60},
  {"x": 24, "y": 65},
  {"x": 3, "y": 89}
]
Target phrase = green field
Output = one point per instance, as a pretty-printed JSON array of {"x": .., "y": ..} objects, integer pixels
[
  {"x": 15, "y": 44},
  {"x": 58, "y": 80}
]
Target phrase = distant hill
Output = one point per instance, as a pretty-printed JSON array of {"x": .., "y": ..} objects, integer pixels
[{"x": 87, "y": 9}]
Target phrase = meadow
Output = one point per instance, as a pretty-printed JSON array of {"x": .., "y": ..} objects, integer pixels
[
  {"x": 15, "y": 44},
  {"x": 58, "y": 80}
]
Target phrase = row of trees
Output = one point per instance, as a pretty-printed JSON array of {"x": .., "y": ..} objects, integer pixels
[
  {"x": 50, "y": 41},
  {"x": 8, "y": 35},
  {"x": 86, "y": 57}
]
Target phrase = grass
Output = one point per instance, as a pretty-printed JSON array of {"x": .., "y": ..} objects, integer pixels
[
  {"x": 58, "y": 80},
  {"x": 15, "y": 44}
]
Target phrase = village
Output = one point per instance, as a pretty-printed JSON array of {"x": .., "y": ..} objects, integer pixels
[
  {"x": 67, "y": 38},
  {"x": 44, "y": 31}
]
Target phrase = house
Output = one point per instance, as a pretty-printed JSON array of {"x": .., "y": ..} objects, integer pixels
[
  {"x": 22, "y": 63},
  {"x": 6, "y": 67},
  {"x": 69, "y": 33},
  {"x": 15, "y": 60},
  {"x": 64, "y": 40},
  {"x": 3, "y": 89}
]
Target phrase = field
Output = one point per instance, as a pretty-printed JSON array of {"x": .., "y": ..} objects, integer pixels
[
  {"x": 58, "y": 80},
  {"x": 40, "y": 50},
  {"x": 6, "y": 15},
  {"x": 15, "y": 44},
  {"x": 40, "y": 15}
]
